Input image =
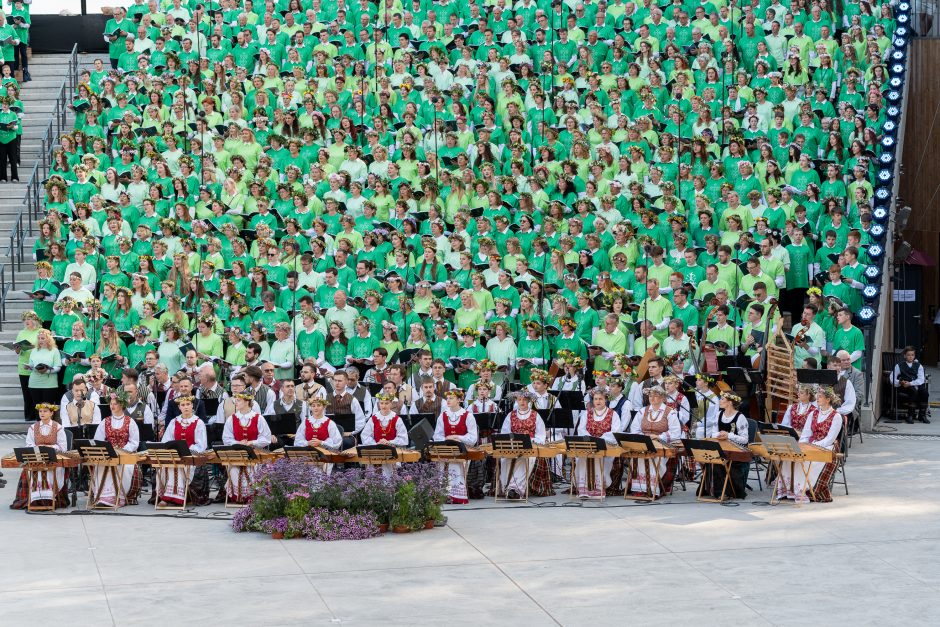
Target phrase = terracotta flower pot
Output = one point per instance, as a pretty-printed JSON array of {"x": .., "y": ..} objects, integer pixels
[
  {"x": 383, "y": 528},
  {"x": 277, "y": 535},
  {"x": 429, "y": 523},
  {"x": 401, "y": 529}
]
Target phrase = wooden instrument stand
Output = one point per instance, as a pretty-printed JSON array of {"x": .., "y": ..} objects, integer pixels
[
  {"x": 513, "y": 451},
  {"x": 241, "y": 462},
  {"x": 98, "y": 457},
  {"x": 163, "y": 461},
  {"x": 38, "y": 468},
  {"x": 712, "y": 458},
  {"x": 586, "y": 452},
  {"x": 633, "y": 454}
]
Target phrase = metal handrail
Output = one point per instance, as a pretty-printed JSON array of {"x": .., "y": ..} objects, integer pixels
[{"x": 32, "y": 200}]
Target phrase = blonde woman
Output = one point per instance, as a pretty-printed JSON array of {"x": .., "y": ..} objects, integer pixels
[{"x": 822, "y": 429}]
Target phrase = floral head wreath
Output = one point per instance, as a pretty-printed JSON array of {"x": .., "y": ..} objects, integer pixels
[
  {"x": 384, "y": 396},
  {"x": 486, "y": 364},
  {"x": 47, "y": 407},
  {"x": 734, "y": 398},
  {"x": 468, "y": 331},
  {"x": 705, "y": 378},
  {"x": 540, "y": 375},
  {"x": 601, "y": 373}
]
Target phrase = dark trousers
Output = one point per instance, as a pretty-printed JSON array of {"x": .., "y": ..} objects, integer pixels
[
  {"x": 20, "y": 60},
  {"x": 8, "y": 153},
  {"x": 29, "y": 405},
  {"x": 914, "y": 397}
]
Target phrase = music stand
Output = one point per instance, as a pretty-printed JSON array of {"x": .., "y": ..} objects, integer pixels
[
  {"x": 211, "y": 406},
  {"x": 572, "y": 400},
  {"x": 346, "y": 422},
  {"x": 36, "y": 462},
  {"x": 214, "y": 433},
  {"x": 101, "y": 454},
  {"x": 638, "y": 447},
  {"x": 485, "y": 421},
  {"x": 284, "y": 426},
  {"x": 783, "y": 449},
  {"x": 306, "y": 454},
  {"x": 709, "y": 453},
  {"x": 420, "y": 435},
  {"x": 448, "y": 452},
  {"x": 765, "y": 429},
  {"x": 511, "y": 446},
  {"x": 588, "y": 449},
  {"x": 240, "y": 458},
  {"x": 377, "y": 454},
  {"x": 413, "y": 420},
  {"x": 166, "y": 456},
  {"x": 814, "y": 376}
]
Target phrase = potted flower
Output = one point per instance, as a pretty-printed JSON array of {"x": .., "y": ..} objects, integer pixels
[
  {"x": 277, "y": 527},
  {"x": 404, "y": 515}
]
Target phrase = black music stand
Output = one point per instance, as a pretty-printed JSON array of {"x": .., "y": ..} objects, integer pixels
[
  {"x": 510, "y": 446},
  {"x": 485, "y": 421},
  {"x": 346, "y": 422},
  {"x": 36, "y": 462},
  {"x": 709, "y": 453},
  {"x": 164, "y": 457},
  {"x": 413, "y": 420},
  {"x": 283, "y": 426},
  {"x": 306, "y": 454},
  {"x": 420, "y": 435},
  {"x": 639, "y": 447},
  {"x": 814, "y": 376}
]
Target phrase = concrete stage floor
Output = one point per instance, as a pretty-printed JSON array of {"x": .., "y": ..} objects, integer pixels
[{"x": 869, "y": 558}]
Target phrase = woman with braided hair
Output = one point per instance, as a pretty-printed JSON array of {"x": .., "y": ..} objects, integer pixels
[{"x": 822, "y": 428}]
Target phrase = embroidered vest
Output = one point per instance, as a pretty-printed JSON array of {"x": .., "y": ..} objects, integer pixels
[
  {"x": 245, "y": 432},
  {"x": 654, "y": 428},
  {"x": 821, "y": 428},
  {"x": 186, "y": 432},
  {"x": 136, "y": 412},
  {"x": 524, "y": 426},
  {"x": 460, "y": 428},
  {"x": 307, "y": 391},
  {"x": 428, "y": 407},
  {"x": 118, "y": 437},
  {"x": 797, "y": 419},
  {"x": 320, "y": 433},
  {"x": 83, "y": 417},
  {"x": 46, "y": 440},
  {"x": 388, "y": 432},
  {"x": 597, "y": 428},
  {"x": 340, "y": 404}
]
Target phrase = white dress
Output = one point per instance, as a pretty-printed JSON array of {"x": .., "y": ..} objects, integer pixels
[
  {"x": 175, "y": 483},
  {"x": 592, "y": 422},
  {"x": 380, "y": 422},
  {"x": 43, "y": 491},
  {"x": 514, "y": 474},
  {"x": 667, "y": 423},
  {"x": 125, "y": 472},
  {"x": 333, "y": 442},
  {"x": 793, "y": 483},
  {"x": 238, "y": 486},
  {"x": 456, "y": 484}
]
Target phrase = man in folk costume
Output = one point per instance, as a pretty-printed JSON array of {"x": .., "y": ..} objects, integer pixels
[
  {"x": 263, "y": 395},
  {"x": 730, "y": 425},
  {"x": 517, "y": 474},
  {"x": 48, "y": 486},
  {"x": 317, "y": 430},
  {"x": 121, "y": 431},
  {"x": 639, "y": 395},
  {"x": 248, "y": 428},
  {"x": 308, "y": 388},
  {"x": 385, "y": 427},
  {"x": 341, "y": 401},
  {"x": 288, "y": 403},
  {"x": 378, "y": 373},
  {"x": 360, "y": 392},
  {"x": 429, "y": 402},
  {"x": 598, "y": 421},
  {"x": 80, "y": 410},
  {"x": 458, "y": 424},
  {"x": 822, "y": 428},
  {"x": 659, "y": 422},
  {"x": 190, "y": 429}
]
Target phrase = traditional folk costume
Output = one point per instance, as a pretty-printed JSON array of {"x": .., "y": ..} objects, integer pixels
[
  {"x": 387, "y": 427},
  {"x": 662, "y": 424},
  {"x": 251, "y": 427},
  {"x": 193, "y": 432},
  {"x": 122, "y": 433},
  {"x": 796, "y": 415},
  {"x": 736, "y": 427},
  {"x": 821, "y": 429},
  {"x": 49, "y": 434},
  {"x": 516, "y": 474},
  {"x": 588, "y": 471},
  {"x": 462, "y": 426},
  {"x": 481, "y": 471},
  {"x": 323, "y": 429}
]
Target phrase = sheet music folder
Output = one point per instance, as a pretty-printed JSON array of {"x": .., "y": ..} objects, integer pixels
[
  {"x": 180, "y": 447},
  {"x": 22, "y": 453},
  {"x": 600, "y": 444},
  {"x": 83, "y": 445},
  {"x": 237, "y": 447},
  {"x": 512, "y": 440}
]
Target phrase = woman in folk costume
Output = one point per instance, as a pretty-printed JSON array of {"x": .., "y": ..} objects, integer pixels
[
  {"x": 515, "y": 475},
  {"x": 248, "y": 428},
  {"x": 822, "y": 428},
  {"x": 573, "y": 378},
  {"x": 730, "y": 425},
  {"x": 121, "y": 431},
  {"x": 385, "y": 427},
  {"x": 318, "y": 430},
  {"x": 190, "y": 429},
  {"x": 797, "y": 413},
  {"x": 658, "y": 421},
  {"x": 457, "y": 424},
  {"x": 598, "y": 421},
  {"x": 676, "y": 400},
  {"x": 48, "y": 485},
  {"x": 481, "y": 470}
]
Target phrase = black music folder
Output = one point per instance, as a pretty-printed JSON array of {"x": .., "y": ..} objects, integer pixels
[
  {"x": 22, "y": 453},
  {"x": 421, "y": 434},
  {"x": 521, "y": 440},
  {"x": 250, "y": 450},
  {"x": 180, "y": 447},
  {"x": 600, "y": 444},
  {"x": 637, "y": 438}
]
